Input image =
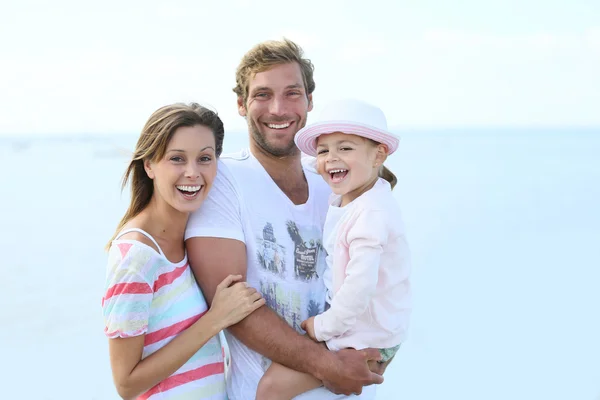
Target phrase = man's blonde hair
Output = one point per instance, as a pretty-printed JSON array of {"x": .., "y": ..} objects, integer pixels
[{"x": 266, "y": 55}]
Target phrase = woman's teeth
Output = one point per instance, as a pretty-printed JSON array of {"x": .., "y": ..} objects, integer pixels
[
  {"x": 191, "y": 189},
  {"x": 189, "y": 192}
]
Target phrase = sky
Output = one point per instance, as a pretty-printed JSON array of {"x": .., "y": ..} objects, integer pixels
[{"x": 73, "y": 67}]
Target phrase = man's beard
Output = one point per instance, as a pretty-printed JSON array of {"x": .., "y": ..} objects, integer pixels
[{"x": 288, "y": 150}]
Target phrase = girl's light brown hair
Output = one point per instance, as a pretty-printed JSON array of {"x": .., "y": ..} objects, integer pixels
[
  {"x": 384, "y": 171},
  {"x": 388, "y": 175},
  {"x": 152, "y": 145}
]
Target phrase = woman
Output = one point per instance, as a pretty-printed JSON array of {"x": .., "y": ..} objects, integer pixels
[{"x": 162, "y": 336}]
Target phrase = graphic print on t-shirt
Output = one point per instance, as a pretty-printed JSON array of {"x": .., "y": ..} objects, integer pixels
[
  {"x": 314, "y": 308},
  {"x": 288, "y": 304},
  {"x": 292, "y": 286},
  {"x": 306, "y": 254},
  {"x": 270, "y": 254}
]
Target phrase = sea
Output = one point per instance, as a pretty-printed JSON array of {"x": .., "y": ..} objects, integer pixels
[{"x": 503, "y": 225}]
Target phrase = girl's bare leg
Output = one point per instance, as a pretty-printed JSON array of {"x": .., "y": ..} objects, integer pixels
[{"x": 283, "y": 383}]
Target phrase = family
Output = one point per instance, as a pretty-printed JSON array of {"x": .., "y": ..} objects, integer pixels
[{"x": 278, "y": 272}]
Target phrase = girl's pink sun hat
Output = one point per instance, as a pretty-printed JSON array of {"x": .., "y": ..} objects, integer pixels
[{"x": 351, "y": 117}]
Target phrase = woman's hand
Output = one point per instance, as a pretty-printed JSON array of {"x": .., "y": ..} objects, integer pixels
[
  {"x": 309, "y": 326},
  {"x": 133, "y": 375},
  {"x": 233, "y": 302}
]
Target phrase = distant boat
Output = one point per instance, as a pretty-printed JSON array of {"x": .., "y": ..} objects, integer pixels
[
  {"x": 21, "y": 145},
  {"x": 112, "y": 152}
]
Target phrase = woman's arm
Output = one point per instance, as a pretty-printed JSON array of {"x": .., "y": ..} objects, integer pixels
[{"x": 134, "y": 376}]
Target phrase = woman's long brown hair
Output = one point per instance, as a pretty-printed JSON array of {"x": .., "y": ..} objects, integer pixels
[{"x": 152, "y": 145}]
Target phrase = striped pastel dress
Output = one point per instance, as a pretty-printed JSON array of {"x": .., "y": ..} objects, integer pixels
[{"x": 146, "y": 294}]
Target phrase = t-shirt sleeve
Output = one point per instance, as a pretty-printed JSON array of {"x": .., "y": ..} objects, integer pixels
[
  {"x": 220, "y": 213},
  {"x": 128, "y": 291}
]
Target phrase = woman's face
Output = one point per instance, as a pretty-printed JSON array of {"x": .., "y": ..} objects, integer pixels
[{"x": 183, "y": 177}]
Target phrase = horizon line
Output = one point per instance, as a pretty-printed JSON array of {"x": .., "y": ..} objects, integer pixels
[{"x": 405, "y": 128}]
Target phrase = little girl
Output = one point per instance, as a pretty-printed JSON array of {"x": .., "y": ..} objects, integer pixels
[{"x": 368, "y": 263}]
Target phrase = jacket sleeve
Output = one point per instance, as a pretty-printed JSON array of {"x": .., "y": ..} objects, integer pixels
[{"x": 366, "y": 239}]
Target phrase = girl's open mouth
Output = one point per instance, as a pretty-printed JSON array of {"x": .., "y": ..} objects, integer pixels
[{"x": 338, "y": 175}]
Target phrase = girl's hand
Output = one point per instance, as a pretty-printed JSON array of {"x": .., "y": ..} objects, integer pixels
[
  {"x": 234, "y": 301},
  {"x": 309, "y": 326}
]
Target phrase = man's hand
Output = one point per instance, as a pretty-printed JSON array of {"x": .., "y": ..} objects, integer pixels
[
  {"x": 309, "y": 326},
  {"x": 379, "y": 367},
  {"x": 349, "y": 371}
]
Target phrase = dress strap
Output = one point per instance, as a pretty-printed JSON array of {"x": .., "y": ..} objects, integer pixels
[{"x": 143, "y": 233}]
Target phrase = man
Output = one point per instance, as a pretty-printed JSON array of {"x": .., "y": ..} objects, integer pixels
[{"x": 263, "y": 219}]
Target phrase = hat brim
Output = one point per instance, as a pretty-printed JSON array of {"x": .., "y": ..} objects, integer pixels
[{"x": 306, "y": 138}]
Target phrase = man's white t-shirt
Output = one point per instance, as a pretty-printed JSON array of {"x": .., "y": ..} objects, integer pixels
[{"x": 284, "y": 249}]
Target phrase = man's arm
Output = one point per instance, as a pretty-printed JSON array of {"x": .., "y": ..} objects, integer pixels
[{"x": 212, "y": 259}]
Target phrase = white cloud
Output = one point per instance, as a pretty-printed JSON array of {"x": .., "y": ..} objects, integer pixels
[
  {"x": 592, "y": 37},
  {"x": 530, "y": 41},
  {"x": 102, "y": 70},
  {"x": 309, "y": 40},
  {"x": 451, "y": 77},
  {"x": 363, "y": 47}
]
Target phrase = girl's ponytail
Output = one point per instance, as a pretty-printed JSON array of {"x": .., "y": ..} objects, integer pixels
[{"x": 388, "y": 176}]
